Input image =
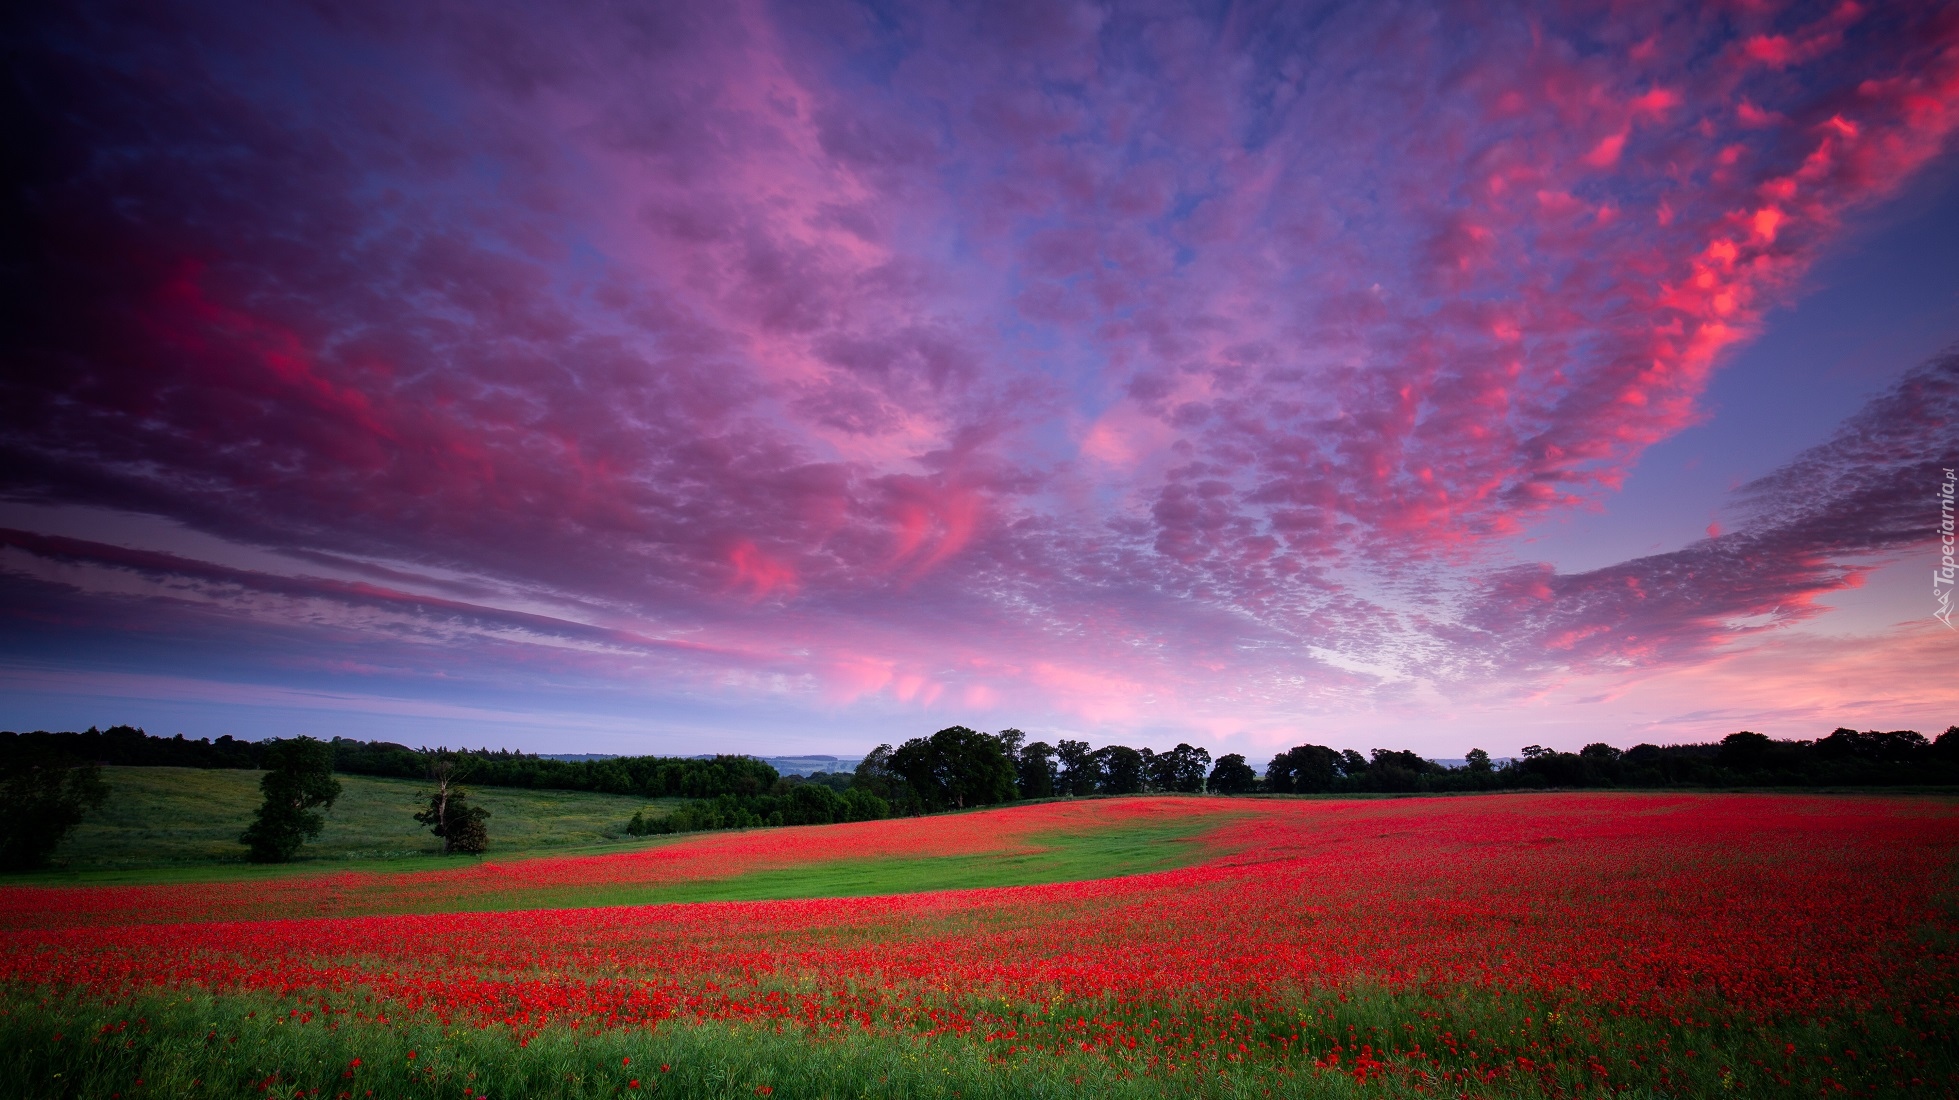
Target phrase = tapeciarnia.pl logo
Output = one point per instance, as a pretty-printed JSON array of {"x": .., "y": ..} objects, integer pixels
[{"x": 1942, "y": 577}]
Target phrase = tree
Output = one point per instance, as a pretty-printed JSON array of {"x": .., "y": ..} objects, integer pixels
[
  {"x": 1193, "y": 767},
  {"x": 1281, "y": 772},
  {"x": 1080, "y": 771},
  {"x": 1180, "y": 769},
  {"x": 1397, "y": 770},
  {"x": 1743, "y": 751},
  {"x": 861, "y": 805},
  {"x": 1010, "y": 742},
  {"x": 298, "y": 781},
  {"x": 1478, "y": 761},
  {"x": 1121, "y": 769},
  {"x": 876, "y": 776},
  {"x": 1232, "y": 775},
  {"x": 1893, "y": 747},
  {"x": 813, "y": 804},
  {"x": 463, "y": 828},
  {"x": 955, "y": 768},
  {"x": 1035, "y": 769},
  {"x": 1644, "y": 755},
  {"x": 1947, "y": 746},
  {"x": 43, "y": 796},
  {"x": 978, "y": 769},
  {"x": 1304, "y": 769}
]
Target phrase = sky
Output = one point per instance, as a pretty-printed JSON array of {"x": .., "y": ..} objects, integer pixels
[{"x": 687, "y": 378}]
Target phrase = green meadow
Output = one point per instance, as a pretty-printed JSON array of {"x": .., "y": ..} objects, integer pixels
[
  {"x": 181, "y": 825},
  {"x": 1073, "y": 856},
  {"x": 188, "y": 820}
]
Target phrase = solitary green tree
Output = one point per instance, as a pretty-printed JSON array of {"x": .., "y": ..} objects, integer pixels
[
  {"x": 42, "y": 797},
  {"x": 299, "y": 780},
  {"x": 464, "y": 828}
]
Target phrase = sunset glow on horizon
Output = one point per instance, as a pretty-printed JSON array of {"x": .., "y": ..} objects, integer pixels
[{"x": 799, "y": 377}]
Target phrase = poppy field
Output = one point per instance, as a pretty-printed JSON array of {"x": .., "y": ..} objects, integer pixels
[{"x": 1535, "y": 945}]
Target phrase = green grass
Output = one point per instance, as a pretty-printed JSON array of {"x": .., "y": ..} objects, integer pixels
[
  {"x": 192, "y": 1044},
  {"x": 167, "y": 825},
  {"x": 190, "y": 818},
  {"x": 211, "y": 1048},
  {"x": 1064, "y": 857}
]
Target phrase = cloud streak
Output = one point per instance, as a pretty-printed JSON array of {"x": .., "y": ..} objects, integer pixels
[{"x": 1814, "y": 527}]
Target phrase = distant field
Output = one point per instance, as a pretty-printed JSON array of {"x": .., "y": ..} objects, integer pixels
[
  {"x": 1026, "y": 845},
  {"x": 190, "y": 817}
]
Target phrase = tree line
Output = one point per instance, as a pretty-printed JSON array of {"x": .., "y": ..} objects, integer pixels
[
  {"x": 1843, "y": 758},
  {"x": 50, "y": 781},
  {"x": 957, "y": 768},
  {"x": 645, "y": 776}
]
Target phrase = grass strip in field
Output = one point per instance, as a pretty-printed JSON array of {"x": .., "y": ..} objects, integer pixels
[
  {"x": 1025, "y": 844},
  {"x": 1077, "y": 855}
]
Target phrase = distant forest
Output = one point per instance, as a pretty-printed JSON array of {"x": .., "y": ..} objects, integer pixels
[
  {"x": 959, "y": 767},
  {"x": 1843, "y": 758}
]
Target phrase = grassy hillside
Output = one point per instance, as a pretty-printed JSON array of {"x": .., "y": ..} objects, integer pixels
[{"x": 177, "y": 817}]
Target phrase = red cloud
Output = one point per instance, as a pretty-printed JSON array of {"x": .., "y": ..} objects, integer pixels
[{"x": 760, "y": 574}]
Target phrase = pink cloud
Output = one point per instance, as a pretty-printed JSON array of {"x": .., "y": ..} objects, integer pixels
[{"x": 758, "y": 573}]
